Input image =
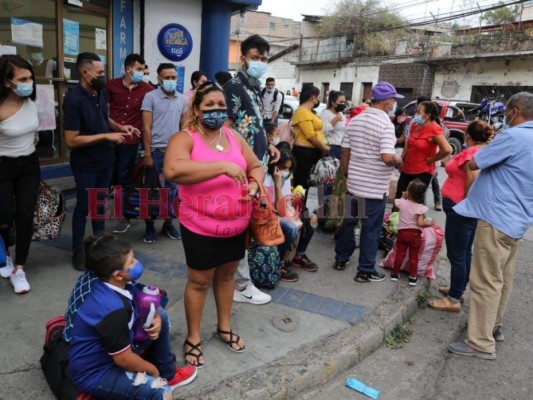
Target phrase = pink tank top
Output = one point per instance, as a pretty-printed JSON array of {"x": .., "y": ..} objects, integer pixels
[{"x": 217, "y": 207}]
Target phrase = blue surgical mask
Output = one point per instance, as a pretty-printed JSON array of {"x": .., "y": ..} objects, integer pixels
[
  {"x": 256, "y": 69},
  {"x": 418, "y": 119},
  {"x": 507, "y": 124},
  {"x": 169, "y": 85},
  {"x": 214, "y": 119},
  {"x": 136, "y": 271},
  {"x": 137, "y": 76},
  {"x": 286, "y": 175},
  {"x": 23, "y": 89},
  {"x": 393, "y": 109}
]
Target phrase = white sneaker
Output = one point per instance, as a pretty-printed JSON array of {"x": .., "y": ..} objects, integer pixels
[
  {"x": 19, "y": 282},
  {"x": 5, "y": 272},
  {"x": 251, "y": 295}
]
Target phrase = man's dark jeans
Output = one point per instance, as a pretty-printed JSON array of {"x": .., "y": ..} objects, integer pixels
[
  {"x": 371, "y": 212},
  {"x": 125, "y": 157},
  {"x": 86, "y": 180},
  {"x": 459, "y": 235}
]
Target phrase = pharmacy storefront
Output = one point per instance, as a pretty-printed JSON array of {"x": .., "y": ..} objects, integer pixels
[{"x": 192, "y": 34}]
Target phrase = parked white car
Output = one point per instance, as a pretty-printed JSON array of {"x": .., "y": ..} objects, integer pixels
[{"x": 290, "y": 104}]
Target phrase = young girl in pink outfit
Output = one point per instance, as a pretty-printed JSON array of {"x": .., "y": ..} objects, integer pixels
[{"x": 412, "y": 221}]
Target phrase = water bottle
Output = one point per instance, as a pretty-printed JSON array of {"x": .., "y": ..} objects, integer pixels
[{"x": 146, "y": 302}]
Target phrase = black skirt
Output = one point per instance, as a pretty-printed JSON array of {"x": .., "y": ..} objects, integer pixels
[{"x": 206, "y": 252}]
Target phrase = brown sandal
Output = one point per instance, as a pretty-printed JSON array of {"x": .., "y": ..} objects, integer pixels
[
  {"x": 445, "y": 304},
  {"x": 231, "y": 341},
  {"x": 193, "y": 347},
  {"x": 445, "y": 290}
]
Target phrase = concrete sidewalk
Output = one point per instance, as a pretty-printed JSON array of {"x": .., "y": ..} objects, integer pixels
[{"x": 311, "y": 332}]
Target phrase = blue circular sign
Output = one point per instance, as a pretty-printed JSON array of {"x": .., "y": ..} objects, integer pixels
[{"x": 174, "y": 42}]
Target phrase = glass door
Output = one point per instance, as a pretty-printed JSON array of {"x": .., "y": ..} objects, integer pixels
[{"x": 83, "y": 29}]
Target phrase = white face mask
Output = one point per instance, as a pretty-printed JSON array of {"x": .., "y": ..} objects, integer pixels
[
  {"x": 37, "y": 57},
  {"x": 276, "y": 141},
  {"x": 146, "y": 78}
]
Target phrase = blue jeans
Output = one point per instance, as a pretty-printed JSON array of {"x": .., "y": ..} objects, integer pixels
[
  {"x": 335, "y": 151},
  {"x": 119, "y": 384},
  {"x": 371, "y": 215},
  {"x": 290, "y": 231},
  {"x": 100, "y": 179},
  {"x": 435, "y": 187},
  {"x": 158, "y": 157},
  {"x": 459, "y": 235}
]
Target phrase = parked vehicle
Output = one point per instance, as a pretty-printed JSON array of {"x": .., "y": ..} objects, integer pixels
[
  {"x": 491, "y": 111},
  {"x": 454, "y": 115},
  {"x": 290, "y": 105}
]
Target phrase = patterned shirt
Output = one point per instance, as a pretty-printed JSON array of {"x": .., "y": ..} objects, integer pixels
[{"x": 245, "y": 108}]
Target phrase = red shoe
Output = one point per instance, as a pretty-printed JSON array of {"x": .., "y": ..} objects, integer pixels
[{"x": 184, "y": 376}]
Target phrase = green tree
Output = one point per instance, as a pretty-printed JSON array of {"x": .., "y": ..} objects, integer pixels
[
  {"x": 349, "y": 17},
  {"x": 500, "y": 16}
]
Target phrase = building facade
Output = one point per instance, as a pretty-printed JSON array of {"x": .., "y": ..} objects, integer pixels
[{"x": 191, "y": 34}]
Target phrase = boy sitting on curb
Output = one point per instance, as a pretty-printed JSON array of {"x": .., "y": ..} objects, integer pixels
[{"x": 104, "y": 360}]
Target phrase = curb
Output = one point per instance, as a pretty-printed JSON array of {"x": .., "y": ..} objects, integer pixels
[{"x": 315, "y": 364}]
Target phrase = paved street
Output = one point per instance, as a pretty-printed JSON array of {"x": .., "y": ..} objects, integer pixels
[{"x": 424, "y": 369}]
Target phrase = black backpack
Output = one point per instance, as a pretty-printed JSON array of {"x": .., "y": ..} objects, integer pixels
[
  {"x": 276, "y": 91},
  {"x": 54, "y": 360}
]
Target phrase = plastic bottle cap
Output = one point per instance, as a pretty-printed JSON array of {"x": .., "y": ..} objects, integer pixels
[{"x": 151, "y": 289}]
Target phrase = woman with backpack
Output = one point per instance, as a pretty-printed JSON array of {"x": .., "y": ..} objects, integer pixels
[
  {"x": 297, "y": 225},
  {"x": 20, "y": 172}
]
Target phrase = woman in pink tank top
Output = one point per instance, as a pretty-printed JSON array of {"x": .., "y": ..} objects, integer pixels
[{"x": 212, "y": 165}]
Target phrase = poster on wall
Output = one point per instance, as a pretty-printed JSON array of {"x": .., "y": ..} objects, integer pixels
[
  {"x": 174, "y": 42},
  {"x": 26, "y": 32},
  {"x": 45, "y": 103},
  {"x": 101, "y": 39},
  {"x": 6, "y": 50},
  {"x": 71, "y": 37}
]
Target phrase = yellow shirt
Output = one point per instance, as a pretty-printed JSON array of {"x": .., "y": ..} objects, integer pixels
[{"x": 307, "y": 125}]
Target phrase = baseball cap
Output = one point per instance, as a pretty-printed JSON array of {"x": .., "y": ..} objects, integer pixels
[{"x": 384, "y": 91}]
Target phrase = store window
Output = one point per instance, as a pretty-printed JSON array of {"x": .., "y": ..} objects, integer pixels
[{"x": 50, "y": 34}]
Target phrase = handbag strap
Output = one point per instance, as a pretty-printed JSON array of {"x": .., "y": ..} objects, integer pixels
[{"x": 262, "y": 194}]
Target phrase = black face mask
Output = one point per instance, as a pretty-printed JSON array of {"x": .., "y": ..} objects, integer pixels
[
  {"x": 315, "y": 105},
  {"x": 340, "y": 107},
  {"x": 98, "y": 83}
]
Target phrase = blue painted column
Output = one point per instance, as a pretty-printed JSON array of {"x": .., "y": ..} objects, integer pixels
[{"x": 216, "y": 24}]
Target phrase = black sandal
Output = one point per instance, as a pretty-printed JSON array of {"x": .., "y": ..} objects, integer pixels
[
  {"x": 231, "y": 341},
  {"x": 194, "y": 347}
]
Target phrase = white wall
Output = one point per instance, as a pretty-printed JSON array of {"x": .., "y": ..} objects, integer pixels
[
  {"x": 515, "y": 72},
  {"x": 283, "y": 71},
  {"x": 335, "y": 75},
  {"x": 159, "y": 13}
]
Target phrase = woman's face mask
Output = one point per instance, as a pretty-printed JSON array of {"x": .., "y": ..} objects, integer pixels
[
  {"x": 23, "y": 89},
  {"x": 214, "y": 119}
]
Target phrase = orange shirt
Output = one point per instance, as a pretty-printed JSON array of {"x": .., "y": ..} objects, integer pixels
[{"x": 419, "y": 148}]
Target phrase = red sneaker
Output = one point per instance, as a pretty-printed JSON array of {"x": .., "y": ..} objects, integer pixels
[{"x": 184, "y": 376}]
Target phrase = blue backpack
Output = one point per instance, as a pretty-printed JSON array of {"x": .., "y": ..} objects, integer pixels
[
  {"x": 265, "y": 266},
  {"x": 3, "y": 254}
]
